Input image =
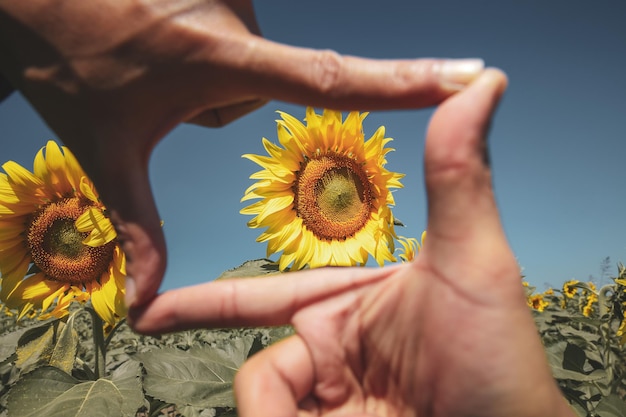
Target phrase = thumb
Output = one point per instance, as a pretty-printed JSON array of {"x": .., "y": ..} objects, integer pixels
[{"x": 463, "y": 221}]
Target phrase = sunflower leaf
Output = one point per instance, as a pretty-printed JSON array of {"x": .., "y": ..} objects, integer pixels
[
  {"x": 611, "y": 406},
  {"x": 252, "y": 268},
  {"x": 55, "y": 343},
  {"x": 35, "y": 332},
  {"x": 200, "y": 377},
  {"x": 8, "y": 343},
  {"x": 51, "y": 392},
  {"x": 128, "y": 380},
  {"x": 64, "y": 351},
  {"x": 35, "y": 347}
]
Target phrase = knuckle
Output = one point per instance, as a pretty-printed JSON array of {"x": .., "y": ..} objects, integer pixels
[
  {"x": 327, "y": 70},
  {"x": 420, "y": 75}
]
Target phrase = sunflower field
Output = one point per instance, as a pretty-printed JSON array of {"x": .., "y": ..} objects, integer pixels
[
  {"x": 323, "y": 198},
  {"x": 49, "y": 367}
]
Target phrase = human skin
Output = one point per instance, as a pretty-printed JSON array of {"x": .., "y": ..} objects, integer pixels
[
  {"x": 446, "y": 335},
  {"x": 111, "y": 75},
  {"x": 449, "y": 334}
]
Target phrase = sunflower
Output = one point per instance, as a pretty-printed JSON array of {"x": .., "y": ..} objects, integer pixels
[
  {"x": 537, "y": 302},
  {"x": 410, "y": 247},
  {"x": 570, "y": 288},
  {"x": 56, "y": 243},
  {"x": 325, "y": 194}
]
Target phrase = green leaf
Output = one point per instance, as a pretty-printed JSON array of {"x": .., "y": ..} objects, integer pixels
[
  {"x": 190, "y": 411},
  {"x": 54, "y": 343},
  {"x": 50, "y": 392},
  {"x": 574, "y": 358},
  {"x": 8, "y": 343},
  {"x": 64, "y": 351},
  {"x": 36, "y": 345},
  {"x": 554, "y": 354},
  {"x": 611, "y": 406},
  {"x": 227, "y": 412},
  {"x": 278, "y": 333},
  {"x": 35, "y": 332},
  {"x": 200, "y": 377},
  {"x": 127, "y": 379},
  {"x": 37, "y": 390},
  {"x": 252, "y": 268}
]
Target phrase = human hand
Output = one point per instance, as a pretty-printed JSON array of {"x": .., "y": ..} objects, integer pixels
[
  {"x": 449, "y": 334},
  {"x": 111, "y": 78}
]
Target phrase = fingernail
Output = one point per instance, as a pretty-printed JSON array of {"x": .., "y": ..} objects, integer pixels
[
  {"x": 457, "y": 73},
  {"x": 130, "y": 296}
]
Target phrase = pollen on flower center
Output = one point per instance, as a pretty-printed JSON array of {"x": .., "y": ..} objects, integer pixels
[
  {"x": 333, "y": 196},
  {"x": 56, "y": 245}
]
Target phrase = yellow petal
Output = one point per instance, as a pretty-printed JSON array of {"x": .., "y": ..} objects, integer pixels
[
  {"x": 100, "y": 228},
  {"x": 99, "y": 296},
  {"x": 88, "y": 190},
  {"x": 47, "y": 301},
  {"x": 37, "y": 287},
  {"x": 75, "y": 173},
  {"x": 20, "y": 176}
]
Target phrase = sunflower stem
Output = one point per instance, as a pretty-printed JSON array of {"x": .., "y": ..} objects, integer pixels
[
  {"x": 112, "y": 332},
  {"x": 98, "y": 343}
]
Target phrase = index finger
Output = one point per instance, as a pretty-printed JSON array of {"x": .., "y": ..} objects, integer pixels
[
  {"x": 324, "y": 78},
  {"x": 267, "y": 301}
]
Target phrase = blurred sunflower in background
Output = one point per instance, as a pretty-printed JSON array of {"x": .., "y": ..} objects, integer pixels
[
  {"x": 56, "y": 243},
  {"x": 410, "y": 247},
  {"x": 325, "y": 194}
]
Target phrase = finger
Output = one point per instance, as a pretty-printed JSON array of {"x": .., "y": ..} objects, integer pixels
[
  {"x": 272, "y": 382},
  {"x": 457, "y": 173},
  {"x": 327, "y": 79},
  {"x": 222, "y": 116},
  {"x": 249, "y": 302},
  {"x": 464, "y": 227},
  {"x": 123, "y": 184},
  {"x": 5, "y": 88}
]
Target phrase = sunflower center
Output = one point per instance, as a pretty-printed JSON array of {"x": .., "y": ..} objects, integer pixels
[
  {"x": 333, "y": 197},
  {"x": 56, "y": 245}
]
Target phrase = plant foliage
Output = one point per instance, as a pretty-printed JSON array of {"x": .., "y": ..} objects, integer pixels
[{"x": 48, "y": 368}]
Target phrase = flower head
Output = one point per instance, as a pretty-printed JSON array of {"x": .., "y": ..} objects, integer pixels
[
  {"x": 570, "y": 288},
  {"x": 325, "y": 194},
  {"x": 410, "y": 247},
  {"x": 591, "y": 297},
  {"x": 537, "y": 302},
  {"x": 56, "y": 243}
]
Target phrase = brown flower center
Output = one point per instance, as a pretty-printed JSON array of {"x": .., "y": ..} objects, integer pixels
[
  {"x": 56, "y": 245},
  {"x": 333, "y": 196}
]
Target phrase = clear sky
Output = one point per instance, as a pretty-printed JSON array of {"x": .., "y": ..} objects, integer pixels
[{"x": 558, "y": 143}]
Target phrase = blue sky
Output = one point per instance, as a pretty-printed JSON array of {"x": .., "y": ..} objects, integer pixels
[{"x": 558, "y": 143}]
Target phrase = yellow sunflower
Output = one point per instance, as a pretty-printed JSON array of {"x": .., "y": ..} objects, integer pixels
[
  {"x": 410, "y": 247},
  {"x": 325, "y": 194},
  {"x": 56, "y": 243},
  {"x": 570, "y": 288},
  {"x": 537, "y": 302}
]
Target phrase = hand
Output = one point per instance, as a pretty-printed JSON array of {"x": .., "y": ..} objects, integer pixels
[
  {"x": 449, "y": 334},
  {"x": 111, "y": 78}
]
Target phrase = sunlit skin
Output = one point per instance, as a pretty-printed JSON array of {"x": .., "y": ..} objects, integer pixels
[
  {"x": 449, "y": 334},
  {"x": 129, "y": 71}
]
